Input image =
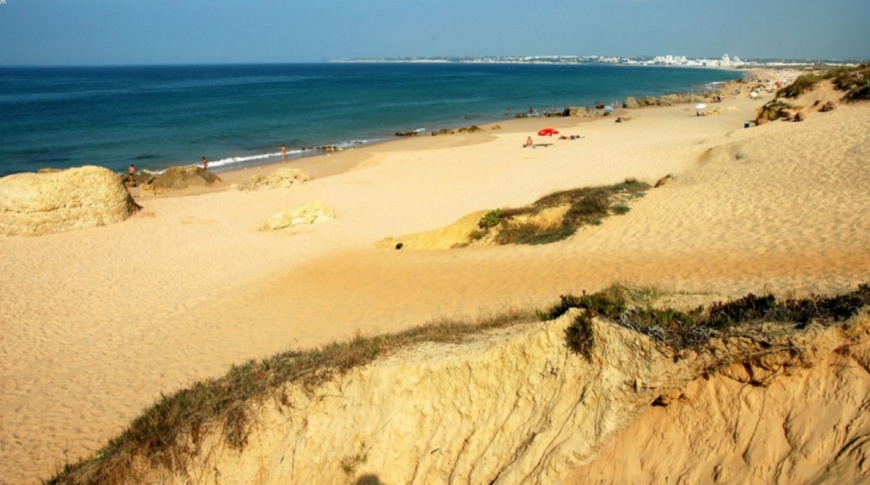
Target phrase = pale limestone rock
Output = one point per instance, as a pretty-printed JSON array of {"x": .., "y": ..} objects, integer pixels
[
  {"x": 33, "y": 204},
  {"x": 310, "y": 213},
  {"x": 279, "y": 179}
]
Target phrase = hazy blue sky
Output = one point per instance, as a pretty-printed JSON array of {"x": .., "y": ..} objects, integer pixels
[{"x": 48, "y": 32}]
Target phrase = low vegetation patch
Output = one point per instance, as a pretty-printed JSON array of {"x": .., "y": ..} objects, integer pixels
[
  {"x": 774, "y": 110},
  {"x": 491, "y": 219},
  {"x": 693, "y": 328},
  {"x": 799, "y": 86},
  {"x": 854, "y": 81},
  {"x": 585, "y": 206}
]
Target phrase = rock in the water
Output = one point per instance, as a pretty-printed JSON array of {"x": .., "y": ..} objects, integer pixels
[
  {"x": 309, "y": 213},
  {"x": 32, "y": 204},
  {"x": 279, "y": 179}
]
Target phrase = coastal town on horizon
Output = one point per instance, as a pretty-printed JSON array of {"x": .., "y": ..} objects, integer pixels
[{"x": 668, "y": 60}]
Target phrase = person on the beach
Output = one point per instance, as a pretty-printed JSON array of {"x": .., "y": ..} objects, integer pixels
[
  {"x": 283, "y": 152},
  {"x": 204, "y": 163},
  {"x": 528, "y": 142},
  {"x": 131, "y": 175}
]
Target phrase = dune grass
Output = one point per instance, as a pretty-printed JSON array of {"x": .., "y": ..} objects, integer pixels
[
  {"x": 799, "y": 86},
  {"x": 854, "y": 81},
  {"x": 694, "y": 328}
]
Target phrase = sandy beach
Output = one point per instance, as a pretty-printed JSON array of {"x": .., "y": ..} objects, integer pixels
[{"x": 98, "y": 323}]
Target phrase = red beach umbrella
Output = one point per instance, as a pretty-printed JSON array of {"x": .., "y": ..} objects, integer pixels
[{"x": 548, "y": 132}]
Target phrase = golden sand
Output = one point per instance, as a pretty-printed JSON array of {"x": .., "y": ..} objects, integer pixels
[{"x": 97, "y": 323}]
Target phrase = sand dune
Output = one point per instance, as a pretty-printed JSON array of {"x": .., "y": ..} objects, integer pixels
[{"x": 99, "y": 322}]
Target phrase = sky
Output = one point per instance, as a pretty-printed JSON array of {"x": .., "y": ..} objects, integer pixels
[{"x": 126, "y": 32}]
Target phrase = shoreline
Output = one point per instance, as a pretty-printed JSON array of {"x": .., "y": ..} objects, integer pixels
[
  {"x": 305, "y": 153},
  {"x": 100, "y": 322},
  {"x": 323, "y": 164},
  {"x": 347, "y": 159},
  {"x": 247, "y": 143}
]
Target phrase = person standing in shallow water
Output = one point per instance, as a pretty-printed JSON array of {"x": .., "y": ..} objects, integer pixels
[
  {"x": 204, "y": 163},
  {"x": 283, "y": 152}
]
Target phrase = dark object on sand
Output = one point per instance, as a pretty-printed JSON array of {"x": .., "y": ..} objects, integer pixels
[{"x": 399, "y": 245}]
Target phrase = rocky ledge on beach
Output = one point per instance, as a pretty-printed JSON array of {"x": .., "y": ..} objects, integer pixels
[
  {"x": 569, "y": 399},
  {"x": 177, "y": 178},
  {"x": 33, "y": 204}
]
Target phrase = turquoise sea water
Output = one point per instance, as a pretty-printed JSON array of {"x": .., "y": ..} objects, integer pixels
[{"x": 239, "y": 115}]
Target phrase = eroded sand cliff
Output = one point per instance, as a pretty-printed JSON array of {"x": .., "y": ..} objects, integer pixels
[{"x": 765, "y": 404}]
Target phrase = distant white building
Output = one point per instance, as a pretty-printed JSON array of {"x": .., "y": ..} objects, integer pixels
[{"x": 728, "y": 61}]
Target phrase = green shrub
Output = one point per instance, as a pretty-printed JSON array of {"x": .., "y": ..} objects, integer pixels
[
  {"x": 620, "y": 209},
  {"x": 491, "y": 219},
  {"x": 859, "y": 93},
  {"x": 750, "y": 307},
  {"x": 579, "y": 335},
  {"x": 592, "y": 206},
  {"x": 772, "y": 111},
  {"x": 528, "y": 233},
  {"x": 838, "y": 307},
  {"x": 630, "y": 185},
  {"x": 855, "y": 81},
  {"x": 608, "y": 305}
]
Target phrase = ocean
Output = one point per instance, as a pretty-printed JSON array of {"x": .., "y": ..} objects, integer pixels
[{"x": 240, "y": 115}]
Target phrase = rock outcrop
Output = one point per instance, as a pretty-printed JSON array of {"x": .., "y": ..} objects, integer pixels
[
  {"x": 773, "y": 404},
  {"x": 310, "y": 213},
  {"x": 33, "y": 204},
  {"x": 279, "y": 179},
  {"x": 178, "y": 178},
  {"x": 665, "y": 100}
]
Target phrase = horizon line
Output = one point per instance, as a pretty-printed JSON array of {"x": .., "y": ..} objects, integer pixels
[{"x": 448, "y": 59}]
